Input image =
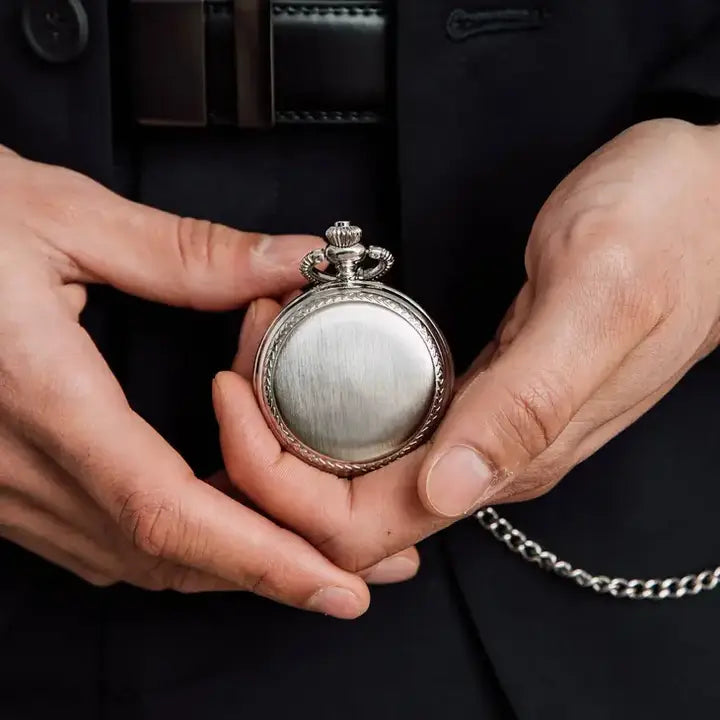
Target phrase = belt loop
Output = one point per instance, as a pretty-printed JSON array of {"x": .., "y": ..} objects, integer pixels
[
  {"x": 168, "y": 61},
  {"x": 254, "y": 64}
]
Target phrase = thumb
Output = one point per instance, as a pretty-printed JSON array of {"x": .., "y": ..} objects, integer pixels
[
  {"x": 508, "y": 414},
  {"x": 160, "y": 256}
]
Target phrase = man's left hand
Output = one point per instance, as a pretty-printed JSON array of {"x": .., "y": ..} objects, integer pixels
[{"x": 622, "y": 299}]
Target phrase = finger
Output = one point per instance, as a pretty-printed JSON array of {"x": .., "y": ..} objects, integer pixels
[
  {"x": 289, "y": 297},
  {"x": 516, "y": 316},
  {"x": 573, "y": 340},
  {"x": 96, "y": 554},
  {"x": 220, "y": 481},
  {"x": 508, "y": 329},
  {"x": 577, "y": 443},
  {"x": 31, "y": 474},
  {"x": 164, "y": 575},
  {"x": 174, "y": 516},
  {"x": 356, "y": 523},
  {"x": 98, "y": 558},
  {"x": 41, "y": 493},
  {"x": 615, "y": 407},
  {"x": 75, "y": 536},
  {"x": 151, "y": 493},
  {"x": 379, "y": 511},
  {"x": 514, "y": 319},
  {"x": 290, "y": 491},
  {"x": 479, "y": 364},
  {"x": 91, "y": 551},
  {"x": 593, "y": 441},
  {"x": 46, "y": 550},
  {"x": 74, "y": 297},
  {"x": 45, "y": 510},
  {"x": 259, "y": 315},
  {"x": 397, "y": 568},
  {"x": 42, "y": 500},
  {"x": 645, "y": 376},
  {"x": 151, "y": 253},
  {"x": 190, "y": 581},
  {"x": 42, "y": 534}
]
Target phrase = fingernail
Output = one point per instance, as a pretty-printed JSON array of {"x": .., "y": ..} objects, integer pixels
[
  {"x": 336, "y": 601},
  {"x": 458, "y": 481},
  {"x": 392, "y": 570},
  {"x": 277, "y": 250}
]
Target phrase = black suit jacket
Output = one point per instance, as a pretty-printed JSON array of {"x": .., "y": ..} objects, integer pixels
[{"x": 487, "y": 124}]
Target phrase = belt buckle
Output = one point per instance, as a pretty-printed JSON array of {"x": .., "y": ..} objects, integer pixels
[{"x": 170, "y": 62}]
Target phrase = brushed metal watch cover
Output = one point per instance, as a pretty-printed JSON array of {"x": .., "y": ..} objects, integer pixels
[{"x": 352, "y": 374}]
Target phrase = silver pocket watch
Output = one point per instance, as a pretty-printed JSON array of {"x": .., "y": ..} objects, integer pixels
[{"x": 352, "y": 374}]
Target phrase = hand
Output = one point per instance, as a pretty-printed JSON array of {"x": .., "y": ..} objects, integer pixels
[
  {"x": 85, "y": 482},
  {"x": 622, "y": 298}
]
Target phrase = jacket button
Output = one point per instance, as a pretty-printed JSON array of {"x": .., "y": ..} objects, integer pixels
[{"x": 57, "y": 30}]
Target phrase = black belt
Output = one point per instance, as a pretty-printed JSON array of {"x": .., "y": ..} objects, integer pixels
[{"x": 253, "y": 63}]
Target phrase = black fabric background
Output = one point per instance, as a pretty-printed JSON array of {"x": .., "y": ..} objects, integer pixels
[{"x": 486, "y": 128}]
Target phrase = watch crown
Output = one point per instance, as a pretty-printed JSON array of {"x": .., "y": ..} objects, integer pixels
[{"x": 343, "y": 234}]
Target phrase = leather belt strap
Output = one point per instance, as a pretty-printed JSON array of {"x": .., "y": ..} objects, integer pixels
[{"x": 254, "y": 63}]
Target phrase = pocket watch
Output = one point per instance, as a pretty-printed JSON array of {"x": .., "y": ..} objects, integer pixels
[{"x": 352, "y": 374}]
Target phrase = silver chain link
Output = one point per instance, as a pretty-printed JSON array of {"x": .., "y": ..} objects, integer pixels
[{"x": 670, "y": 588}]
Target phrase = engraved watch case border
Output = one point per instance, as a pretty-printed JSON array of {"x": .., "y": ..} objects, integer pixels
[{"x": 348, "y": 286}]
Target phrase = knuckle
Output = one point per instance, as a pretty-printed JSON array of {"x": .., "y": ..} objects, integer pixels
[
  {"x": 617, "y": 267},
  {"x": 194, "y": 242},
  {"x": 342, "y": 542},
  {"x": 610, "y": 264},
  {"x": 271, "y": 578},
  {"x": 576, "y": 231},
  {"x": 630, "y": 296},
  {"x": 338, "y": 529},
  {"x": 591, "y": 224},
  {"x": 532, "y": 417},
  {"x": 261, "y": 582},
  {"x": 203, "y": 246},
  {"x": 679, "y": 137},
  {"x": 152, "y": 522}
]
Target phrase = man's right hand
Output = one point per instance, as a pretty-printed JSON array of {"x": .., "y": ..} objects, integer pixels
[{"x": 84, "y": 481}]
